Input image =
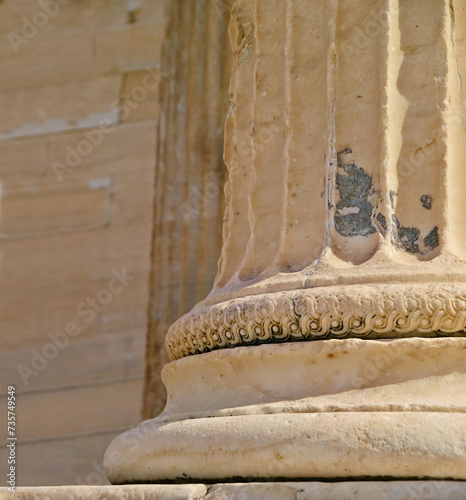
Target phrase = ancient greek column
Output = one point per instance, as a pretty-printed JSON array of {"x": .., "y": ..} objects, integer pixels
[{"x": 333, "y": 342}]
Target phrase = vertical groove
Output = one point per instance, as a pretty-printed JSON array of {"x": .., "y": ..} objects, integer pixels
[
  {"x": 455, "y": 177},
  {"x": 265, "y": 192},
  {"x": 422, "y": 163},
  {"x": 357, "y": 130},
  {"x": 215, "y": 107},
  {"x": 331, "y": 158},
  {"x": 242, "y": 273},
  {"x": 444, "y": 99},
  {"x": 177, "y": 188},
  {"x": 158, "y": 318},
  {"x": 393, "y": 112},
  {"x": 306, "y": 124},
  {"x": 238, "y": 151},
  {"x": 329, "y": 166},
  {"x": 223, "y": 107},
  {"x": 194, "y": 160},
  {"x": 285, "y": 264}
]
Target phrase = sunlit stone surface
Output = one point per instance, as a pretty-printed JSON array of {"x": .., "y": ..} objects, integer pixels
[{"x": 332, "y": 344}]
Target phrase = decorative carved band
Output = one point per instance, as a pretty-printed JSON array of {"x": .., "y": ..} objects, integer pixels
[{"x": 318, "y": 313}]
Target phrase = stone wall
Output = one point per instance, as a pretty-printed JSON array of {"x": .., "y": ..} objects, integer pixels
[{"x": 79, "y": 98}]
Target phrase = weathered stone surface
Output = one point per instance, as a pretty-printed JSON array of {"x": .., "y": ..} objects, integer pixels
[
  {"x": 189, "y": 201},
  {"x": 390, "y": 490},
  {"x": 99, "y": 405},
  {"x": 333, "y": 409},
  {"x": 83, "y": 54},
  {"x": 162, "y": 492},
  {"x": 395, "y": 490},
  {"x": 110, "y": 354},
  {"x": 70, "y": 106},
  {"x": 140, "y": 96},
  {"x": 30, "y": 213},
  {"x": 327, "y": 220}
]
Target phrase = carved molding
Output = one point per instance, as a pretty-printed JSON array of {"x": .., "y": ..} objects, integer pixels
[{"x": 388, "y": 311}]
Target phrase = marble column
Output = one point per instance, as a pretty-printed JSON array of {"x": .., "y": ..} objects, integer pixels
[{"x": 333, "y": 342}]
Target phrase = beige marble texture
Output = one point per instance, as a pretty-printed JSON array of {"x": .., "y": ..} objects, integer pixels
[
  {"x": 134, "y": 492},
  {"x": 368, "y": 490}
]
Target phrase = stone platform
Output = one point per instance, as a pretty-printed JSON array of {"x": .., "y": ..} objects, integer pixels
[{"x": 357, "y": 490}]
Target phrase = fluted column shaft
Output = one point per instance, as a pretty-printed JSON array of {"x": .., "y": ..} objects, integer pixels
[{"x": 344, "y": 143}]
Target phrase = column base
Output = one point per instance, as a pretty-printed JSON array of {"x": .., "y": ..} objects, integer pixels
[{"x": 334, "y": 409}]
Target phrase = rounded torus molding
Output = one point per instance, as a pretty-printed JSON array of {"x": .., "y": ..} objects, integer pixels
[{"x": 377, "y": 311}]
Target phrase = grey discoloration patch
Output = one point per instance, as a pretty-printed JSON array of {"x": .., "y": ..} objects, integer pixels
[
  {"x": 382, "y": 221},
  {"x": 392, "y": 199},
  {"x": 426, "y": 201},
  {"x": 431, "y": 241},
  {"x": 408, "y": 238},
  {"x": 354, "y": 210}
]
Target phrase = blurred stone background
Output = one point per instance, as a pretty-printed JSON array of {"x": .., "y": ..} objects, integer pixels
[
  {"x": 111, "y": 209},
  {"x": 68, "y": 220}
]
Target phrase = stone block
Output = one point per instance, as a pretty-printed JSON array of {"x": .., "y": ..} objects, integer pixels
[
  {"x": 60, "y": 461},
  {"x": 132, "y": 48},
  {"x": 70, "y": 17},
  {"x": 45, "y": 262},
  {"x": 133, "y": 202},
  {"x": 37, "y": 212},
  {"x": 81, "y": 56},
  {"x": 76, "y": 410},
  {"x": 56, "y": 108},
  {"x": 134, "y": 492},
  {"x": 107, "y": 355},
  {"x": 128, "y": 148},
  {"x": 140, "y": 96}
]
